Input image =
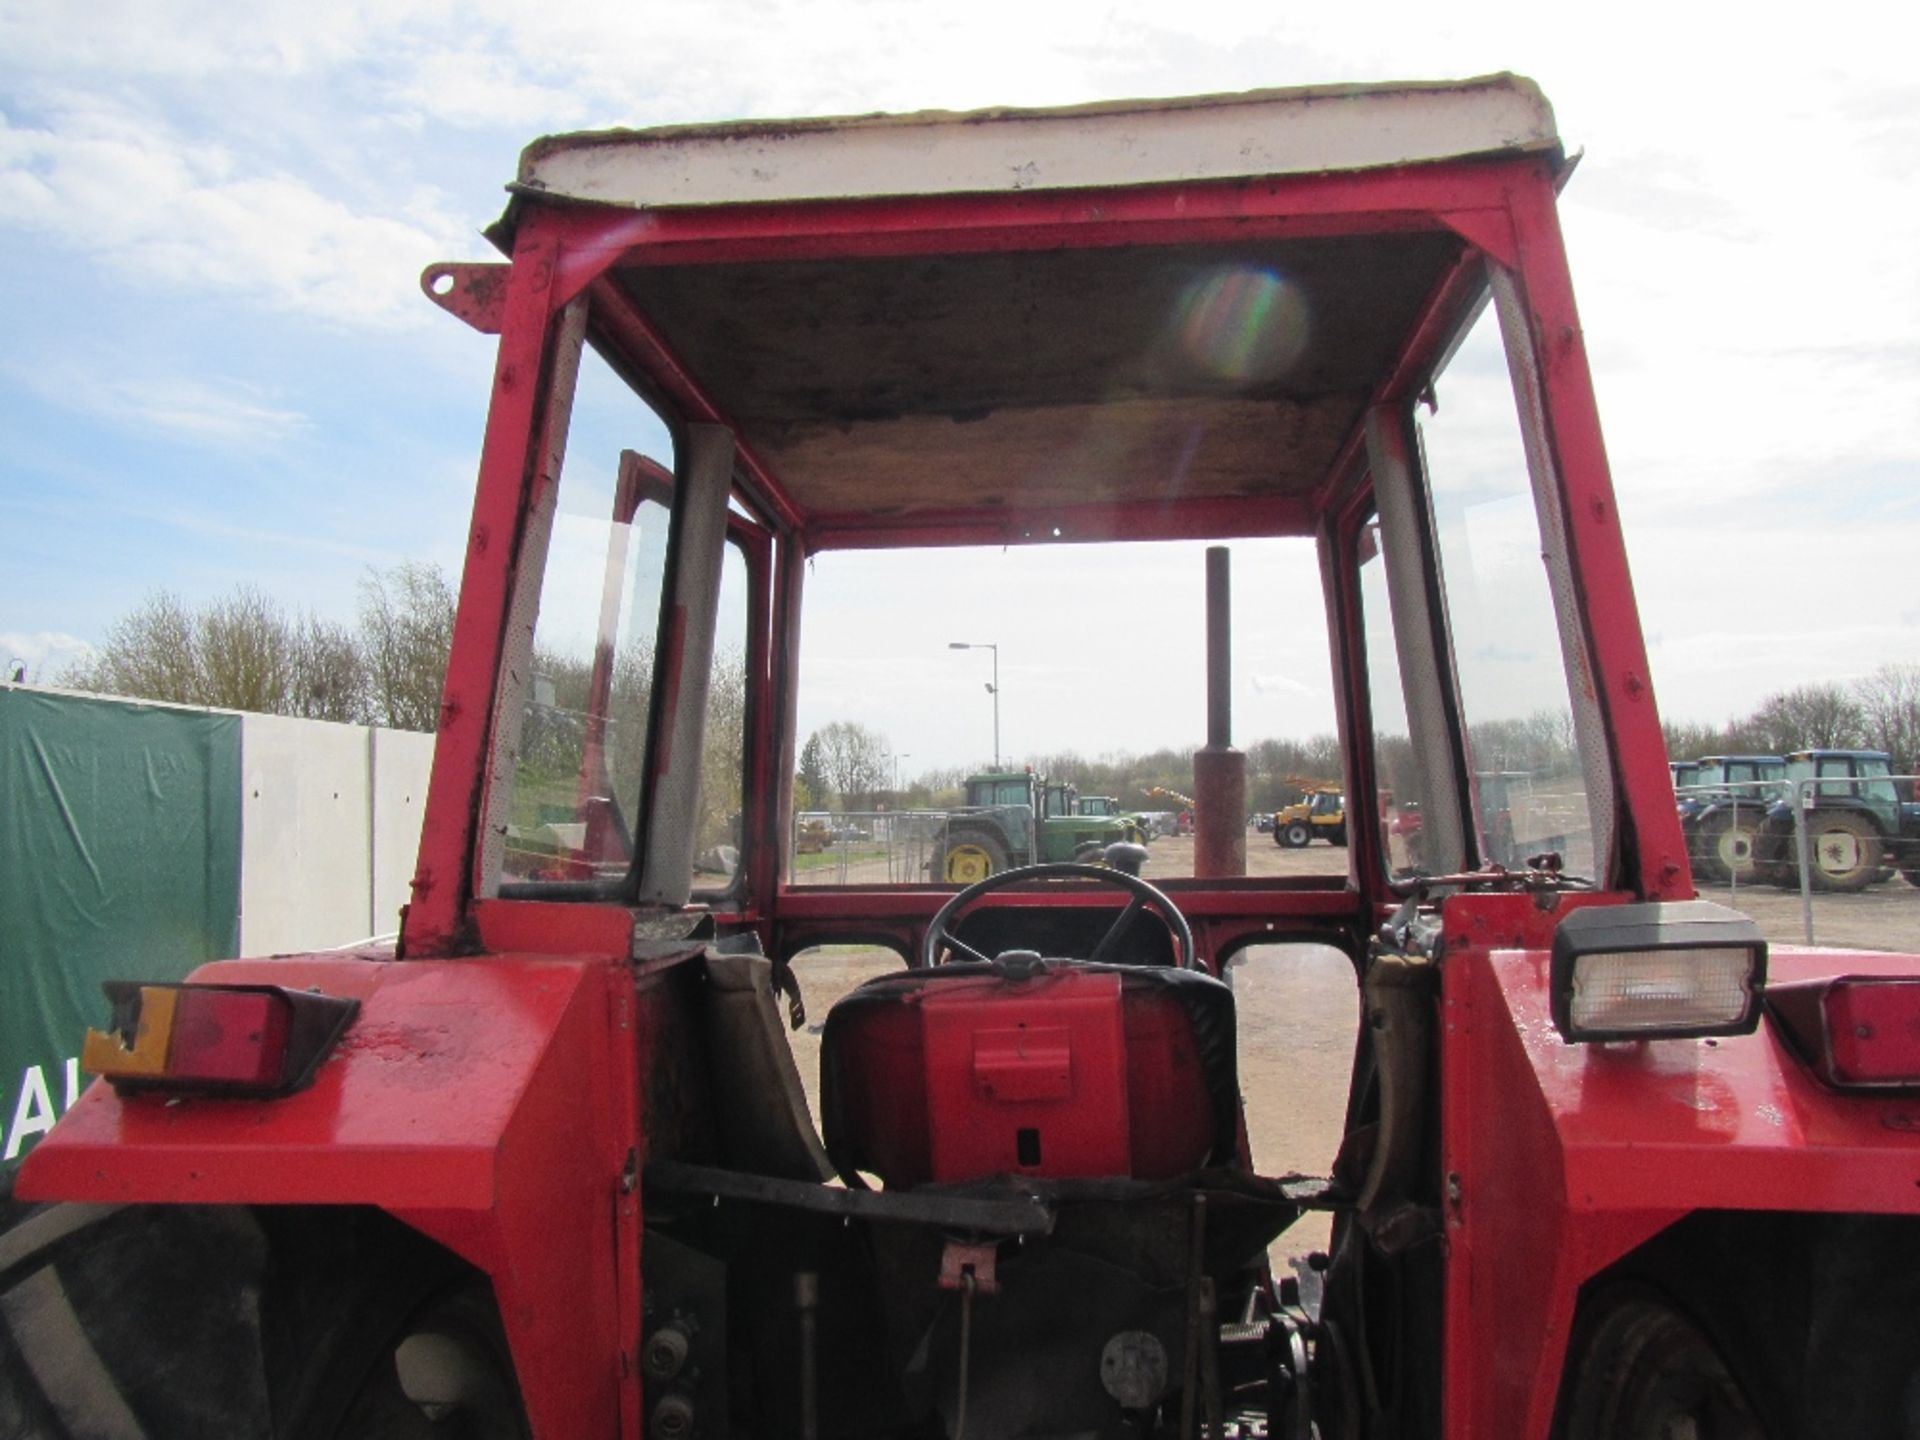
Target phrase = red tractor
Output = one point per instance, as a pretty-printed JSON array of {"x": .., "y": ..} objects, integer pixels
[{"x": 1609, "y": 1169}]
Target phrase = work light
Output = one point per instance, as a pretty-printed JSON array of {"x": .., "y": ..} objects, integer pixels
[{"x": 1632, "y": 972}]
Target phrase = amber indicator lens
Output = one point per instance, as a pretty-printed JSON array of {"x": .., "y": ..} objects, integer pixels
[{"x": 258, "y": 1040}]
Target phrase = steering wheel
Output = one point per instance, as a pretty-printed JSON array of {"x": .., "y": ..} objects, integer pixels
[{"x": 940, "y": 929}]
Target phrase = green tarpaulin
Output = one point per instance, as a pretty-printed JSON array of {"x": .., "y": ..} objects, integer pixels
[{"x": 119, "y": 859}]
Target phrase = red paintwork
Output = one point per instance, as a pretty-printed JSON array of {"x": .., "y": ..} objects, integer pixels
[
  {"x": 1427, "y": 197},
  {"x": 435, "y": 921},
  {"x": 1570, "y": 1155},
  {"x": 454, "y": 1101},
  {"x": 935, "y": 1082},
  {"x": 1093, "y": 523},
  {"x": 1622, "y": 680},
  {"x": 1050, "y": 1059}
]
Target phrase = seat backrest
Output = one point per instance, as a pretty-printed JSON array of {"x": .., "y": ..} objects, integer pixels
[
  {"x": 1079, "y": 1071},
  {"x": 766, "y": 1126}
]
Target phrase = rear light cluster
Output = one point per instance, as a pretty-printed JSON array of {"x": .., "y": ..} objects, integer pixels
[
  {"x": 1632, "y": 972},
  {"x": 1855, "y": 1031},
  {"x": 257, "y": 1040}
]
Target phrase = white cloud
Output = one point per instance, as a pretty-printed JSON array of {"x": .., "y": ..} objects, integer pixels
[
  {"x": 474, "y": 88},
  {"x": 211, "y": 410},
  {"x": 44, "y": 653},
  {"x": 149, "y": 203},
  {"x": 199, "y": 39}
]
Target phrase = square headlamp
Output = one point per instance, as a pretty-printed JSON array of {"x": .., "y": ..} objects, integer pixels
[{"x": 1633, "y": 972}]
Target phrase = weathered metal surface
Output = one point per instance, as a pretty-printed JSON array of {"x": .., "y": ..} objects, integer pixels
[
  {"x": 477, "y": 294},
  {"x": 1311, "y": 130}
]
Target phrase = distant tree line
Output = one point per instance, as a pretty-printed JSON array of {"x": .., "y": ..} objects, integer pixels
[
  {"x": 247, "y": 651},
  {"x": 1878, "y": 712},
  {"x": 847, "y": 766}
]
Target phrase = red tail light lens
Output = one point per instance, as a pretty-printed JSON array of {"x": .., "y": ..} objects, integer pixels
[
  {"x": 229, "y": 1037},
  {"x": 1857, "y": 1031},
  {"x": 258, "y": 1040}
]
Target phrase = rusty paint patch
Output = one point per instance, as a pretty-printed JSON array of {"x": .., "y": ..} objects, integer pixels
[{"x": 475, "y": 293}]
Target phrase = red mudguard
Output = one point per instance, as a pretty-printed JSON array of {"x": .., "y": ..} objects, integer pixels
[
  {"x": 1559, "y": 1159},
  {"x": 489, "y": 1104}
]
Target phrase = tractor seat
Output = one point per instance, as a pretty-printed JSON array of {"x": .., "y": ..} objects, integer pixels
[
  {"x": 766, "y": 1127},
  {"x": 1055, "y": 1069}
]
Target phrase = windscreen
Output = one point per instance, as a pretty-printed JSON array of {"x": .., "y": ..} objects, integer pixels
[{"x": 945, "y": 694}]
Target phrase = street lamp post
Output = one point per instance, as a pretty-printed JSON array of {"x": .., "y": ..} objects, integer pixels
[
  {"x": 993, "y": 689},
  {"x": 905, "y": 755}
]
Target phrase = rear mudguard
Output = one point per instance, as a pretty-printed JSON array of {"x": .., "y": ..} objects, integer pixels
[
  {"x": 1559, "y": 1159},
  {"x": 490, "y": 1104}
]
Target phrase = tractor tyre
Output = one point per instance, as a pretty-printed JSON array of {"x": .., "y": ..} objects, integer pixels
[
  {"x": 166, "y": 1320},
  {"x": 1294, "y": 835},
  {"x": 1725, "y": 850},
  {"x": 1844, "y": 849},
  {"x": 444, "y": 1370},
  {"x": 1641, "y": 1370},
  {"x": 1337, "y": 837},
  {"x": 1910, "y": 874},
  {"x": 132, "y": 1320},
  {"x": 967, "y": 857}
]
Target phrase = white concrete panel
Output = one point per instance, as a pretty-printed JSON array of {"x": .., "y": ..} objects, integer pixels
[
  {"x": 306, "y": 840},
  {"x": 402, "y": 760}
]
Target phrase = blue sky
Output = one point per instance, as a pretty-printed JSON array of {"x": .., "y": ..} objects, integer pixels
[{"x": 217, "y": 367}]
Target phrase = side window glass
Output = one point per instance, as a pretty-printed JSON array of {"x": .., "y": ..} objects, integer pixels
[
  {"x": 1401, "y": 779},
  {"x": 716, "y": 853},
  {"x": 579, "y": 674},
  {"x": 1530, "y": 793}
]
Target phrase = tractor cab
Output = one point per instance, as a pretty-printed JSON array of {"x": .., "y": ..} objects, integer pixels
[
  {"x": 1010, "y": 789},
  {"x": 771, "y": 403}
]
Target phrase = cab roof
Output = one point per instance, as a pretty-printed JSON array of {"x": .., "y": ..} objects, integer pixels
[
  {"x": 1065, "y": 324},
  {"x": 1303, "y": 130}
]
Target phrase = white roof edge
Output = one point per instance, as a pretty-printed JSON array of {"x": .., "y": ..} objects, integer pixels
[{"x": 1310, "y": 130}]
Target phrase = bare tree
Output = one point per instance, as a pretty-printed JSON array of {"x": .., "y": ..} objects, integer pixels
[
  {"x": 406, "y": 630},
  {"x": 1810, "y": 717},
  {"x": 148, "y": 654},
  {"x": 243, "y": 652},
  {"x": 1889, "y": 702},
  {"x": 853, "y": 760}
]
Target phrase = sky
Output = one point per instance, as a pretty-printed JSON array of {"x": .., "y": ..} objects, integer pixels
[{"x": 216, "y": 367}]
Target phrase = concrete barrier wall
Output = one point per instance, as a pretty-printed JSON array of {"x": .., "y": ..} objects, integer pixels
[{"x": 330, "y": 822}]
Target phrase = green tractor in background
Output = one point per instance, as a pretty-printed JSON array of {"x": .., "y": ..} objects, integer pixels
[
  {"x": 1107, "y": 807},
  {"x": 1014, "y": 818}
]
